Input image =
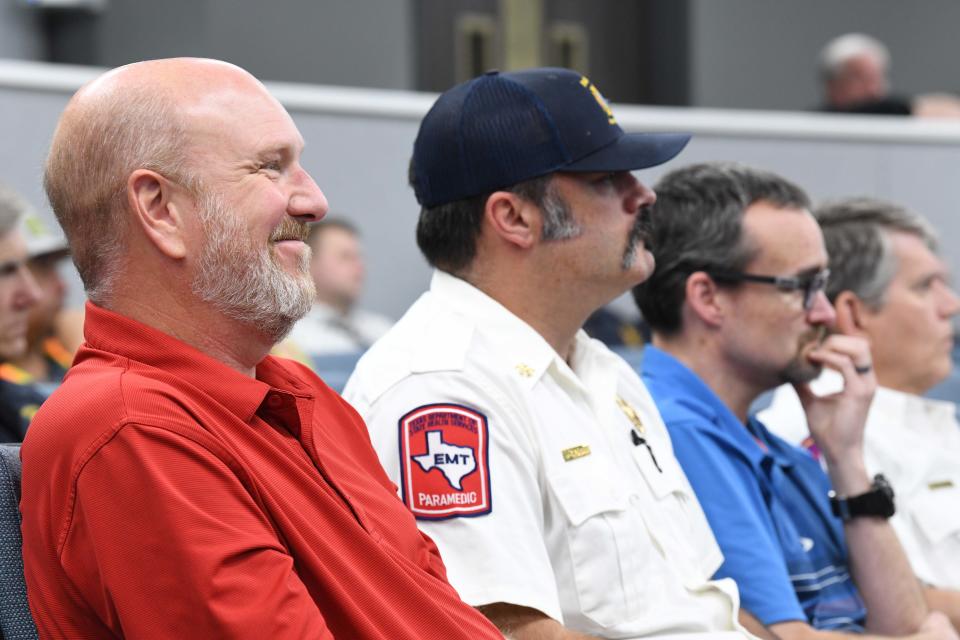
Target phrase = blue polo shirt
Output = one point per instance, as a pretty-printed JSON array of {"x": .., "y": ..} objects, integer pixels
[{"x": 766, "y": 501}]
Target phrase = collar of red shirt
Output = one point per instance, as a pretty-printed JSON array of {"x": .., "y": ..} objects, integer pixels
[{"x": 121, "y": 336}]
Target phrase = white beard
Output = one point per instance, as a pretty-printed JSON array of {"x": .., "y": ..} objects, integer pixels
[{"x": 242, "y": 280}]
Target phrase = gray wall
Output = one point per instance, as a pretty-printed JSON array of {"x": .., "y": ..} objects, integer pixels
[
  {"x": 714, "y": 53},
  {"x": 760, "y": 54},
  {"x": 21, "y": 35},
  {"x": 365, "y": 43}
]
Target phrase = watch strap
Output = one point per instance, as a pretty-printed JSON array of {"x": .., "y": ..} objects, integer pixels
[{"x": 877, "y": 502}]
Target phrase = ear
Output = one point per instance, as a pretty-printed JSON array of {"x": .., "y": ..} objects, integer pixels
[
  {"x": 156, "y": 204},
  {"x": 513, "y": 219},
  {"x": 851, "y": 314},
  {"x": 703, "y": 298}
]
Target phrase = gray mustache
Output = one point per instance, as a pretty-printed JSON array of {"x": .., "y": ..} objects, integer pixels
[{"x": 290, "y": 229}]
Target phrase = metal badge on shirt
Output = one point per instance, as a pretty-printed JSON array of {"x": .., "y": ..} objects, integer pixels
[
  {"x": 639, "y": 431},
  {"x": 444, "y": 468}
]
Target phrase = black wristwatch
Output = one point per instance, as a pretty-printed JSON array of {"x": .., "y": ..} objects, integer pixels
[{"x": 878, "y": 502}]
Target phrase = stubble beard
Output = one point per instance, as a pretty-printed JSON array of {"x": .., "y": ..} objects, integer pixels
[
  {"x": 800, "y": 370},
  {"x": 243, "y": 281}
]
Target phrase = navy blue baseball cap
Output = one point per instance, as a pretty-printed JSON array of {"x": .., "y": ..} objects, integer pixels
[{"x": 500, "y": 129}]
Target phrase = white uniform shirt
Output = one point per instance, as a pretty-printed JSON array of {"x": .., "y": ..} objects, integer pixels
[
  {"x": 581, "y": 525},
  {"x": 323, "y": 331},
  {"x": 915, "y": 443}
]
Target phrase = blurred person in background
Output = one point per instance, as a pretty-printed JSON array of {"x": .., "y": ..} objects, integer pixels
[
  {"x": 855, "y": 76},
  {"x": 46, "y": 359},
  {"x": 854, "y": 69},
  {"x": 19, "y": 293},
  {"x": 68, "y": 328},
  {"x": 888, "y": 285},
  {"x": 335, "y": 325},
  {"x": 737, "y": 307}
]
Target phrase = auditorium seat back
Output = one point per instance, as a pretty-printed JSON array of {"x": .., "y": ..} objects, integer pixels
[{"x": 15, "y": 620}]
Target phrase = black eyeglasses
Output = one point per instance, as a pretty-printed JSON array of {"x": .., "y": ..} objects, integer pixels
[{"x": 810, "y": 285}]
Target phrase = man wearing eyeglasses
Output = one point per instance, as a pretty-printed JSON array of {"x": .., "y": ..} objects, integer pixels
[
  {"x": 891, "y": 286},
  {"x": 736, "y": 306}
]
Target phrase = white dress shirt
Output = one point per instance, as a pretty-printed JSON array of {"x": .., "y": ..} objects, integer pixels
[
  {"x": 580, "y": 523},
  {"x": 915, "y": 443}
]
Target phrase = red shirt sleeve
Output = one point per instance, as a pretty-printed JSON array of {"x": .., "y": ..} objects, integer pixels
[{"x": 175, "y": 546}]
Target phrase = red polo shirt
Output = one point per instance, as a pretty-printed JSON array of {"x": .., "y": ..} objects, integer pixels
[{"x": 166, "y": 495}]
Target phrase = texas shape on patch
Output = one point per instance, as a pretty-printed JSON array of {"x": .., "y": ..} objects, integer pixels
[{"x": 443, "y": 462}]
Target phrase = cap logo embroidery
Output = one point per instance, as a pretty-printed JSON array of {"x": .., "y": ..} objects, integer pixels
[
  {"x": 443, "y": 462},
  {"x": 599, "y": 98}
]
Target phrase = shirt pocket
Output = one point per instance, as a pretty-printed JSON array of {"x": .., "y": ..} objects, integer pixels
[
  {"x": 679, "y": 525},
  {"x": 606, "y": 544},
  {"x": 937, "y": 513}
]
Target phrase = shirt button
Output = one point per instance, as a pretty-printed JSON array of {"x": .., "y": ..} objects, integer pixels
[{"x": 274, "y": 401}]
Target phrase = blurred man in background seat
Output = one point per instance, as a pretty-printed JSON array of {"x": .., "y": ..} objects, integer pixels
[
  {"x": 855, "y": 75},
  {"x": 335, "y": 325}
]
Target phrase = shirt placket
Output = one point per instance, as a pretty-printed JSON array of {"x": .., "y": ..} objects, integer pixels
[
  {"x": 600, "y": 385},
  {"x": 287, "y": 412}
]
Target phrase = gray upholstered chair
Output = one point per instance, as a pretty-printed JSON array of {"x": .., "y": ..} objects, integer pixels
[{"x": 15, "y": 620}]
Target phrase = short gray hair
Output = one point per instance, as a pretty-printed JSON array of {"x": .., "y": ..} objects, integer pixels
[
  {"x": 836, "y": 53},
  {"x": 92, "y": 155},
  {"x": 856, "y": 232}
]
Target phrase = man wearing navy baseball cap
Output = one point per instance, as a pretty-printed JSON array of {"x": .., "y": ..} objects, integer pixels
[{"x": 530, "y": 453}]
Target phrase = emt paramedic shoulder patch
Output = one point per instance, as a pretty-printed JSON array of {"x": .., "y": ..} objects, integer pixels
[{"x": 443, "y": 462}]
